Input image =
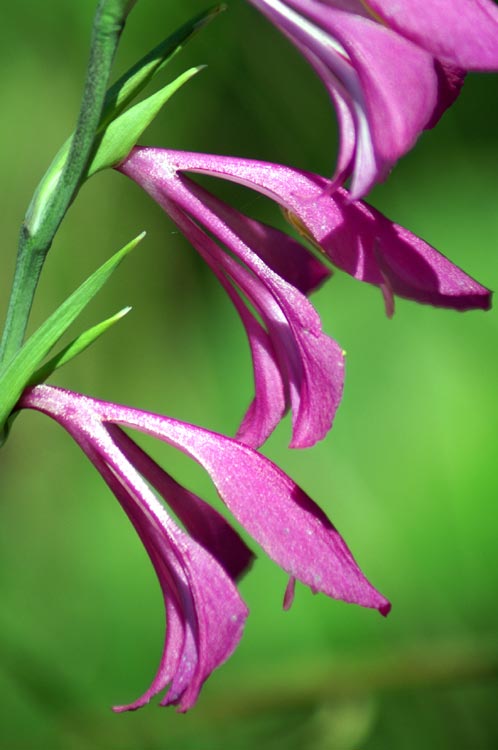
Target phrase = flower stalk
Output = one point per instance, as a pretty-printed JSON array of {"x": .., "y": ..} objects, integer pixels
[{"x": 50, "y": 205}]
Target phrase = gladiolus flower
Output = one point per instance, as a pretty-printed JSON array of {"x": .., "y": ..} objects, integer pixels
[
  {"x": 197, "y": 568},
  {"x": 391, "y": 68},
  {"x": 294, "y": 362}
]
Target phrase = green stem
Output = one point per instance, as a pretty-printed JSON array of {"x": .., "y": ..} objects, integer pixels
[{"x": 40, "y": 226}]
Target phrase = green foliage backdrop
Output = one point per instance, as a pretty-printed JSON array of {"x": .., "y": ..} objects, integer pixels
[{"x": 408, "y": 473}]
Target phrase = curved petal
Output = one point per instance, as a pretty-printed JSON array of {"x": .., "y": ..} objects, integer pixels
[
  {"x": 289, "y": 526},
  {"x": 312, "y": 361},
  {"x": 270, "y": 403},
  {"x": 203, "y": 523},
  {"x": 204, "y": 610},
  {"x": 386, "y": 85},
  {"x": 463, "y": 33},
  {"x": 356, "y": 237},
  {"x": 311, "y": 364}
]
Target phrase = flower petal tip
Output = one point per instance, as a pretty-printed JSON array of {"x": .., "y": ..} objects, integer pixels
[
  {"x": 290, "y": 590},
  {"x": 385, "y": 608}
]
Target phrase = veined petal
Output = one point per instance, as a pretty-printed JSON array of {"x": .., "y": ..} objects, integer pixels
[
  {"x": 384, "y": 87},
  {"x": 463, "y": 33},
  {"x": 203, "y": 523},
  {"x": 205, "y": 612},
  {"x": 310, "y": 363},
  {"x": 356, "y": 237},
  {"x": 313, "y": 362},
  {"x": 289, "y": 526},
  {"x": 391, "y": 80}
]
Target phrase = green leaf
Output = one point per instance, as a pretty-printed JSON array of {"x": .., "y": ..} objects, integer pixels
[
  {"x": 77, "y": 345},
  {"x": 137, "y": 77},
  {"x": 117, "y": 98},
  {"x": 20, "y": 369},
  {"x": 123, "y": 133}
]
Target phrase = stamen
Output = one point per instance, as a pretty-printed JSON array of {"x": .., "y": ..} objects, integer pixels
[
  {"x": 301, "y": 228},
  {"x": 372, "y": 13}
]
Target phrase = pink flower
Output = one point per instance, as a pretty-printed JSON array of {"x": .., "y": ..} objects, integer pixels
[
  {"x": 295, "y": 363},
  {"x": 197, "y": 570},
  {"x": 391, "y": 68}
]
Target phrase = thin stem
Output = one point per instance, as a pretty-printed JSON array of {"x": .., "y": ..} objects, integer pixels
[{"x": 36, "y": 236}]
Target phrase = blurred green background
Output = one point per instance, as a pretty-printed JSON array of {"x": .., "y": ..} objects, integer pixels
[{"x": 408, "y": 473}]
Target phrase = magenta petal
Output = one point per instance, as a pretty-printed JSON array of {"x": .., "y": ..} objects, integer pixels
[
  {"x": 289, "y": 526},
  {"x": 204, "y": 523},
  {"x": 313, "y": 363},
  {"x": 394, "y": 83},
  {"x": 383, "y": 86},
  {"x": 293, "y": 348},
  {"x": 269, "y": 404},
  {"x": 399, "y": 86},
  {"x": 220, "y": 615},
  {"x": 463, "y": 33},
  {"x": 450, "y": 81},
  {"x": 373, "y": 249},
  {"x": 204, "y": 611},
  {"x": 205, "y": 614},
  {"x": 356, "y": 237}
]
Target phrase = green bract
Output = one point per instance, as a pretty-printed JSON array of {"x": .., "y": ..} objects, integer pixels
[
  {"x": 20, "y": 370},
  {"x": 118, "y": 97},
  {"x": 122, "y": 134},
  {"x": 77, "y": 345}
]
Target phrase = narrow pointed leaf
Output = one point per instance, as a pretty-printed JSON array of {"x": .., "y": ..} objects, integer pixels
[
  {"x": 137, "y": 77},
  {"x": 21, "y": 368},
  {"x": 118, "y": 97},
  {"x": 77, "y": 345},
  {"x": 123, "y": 133}
]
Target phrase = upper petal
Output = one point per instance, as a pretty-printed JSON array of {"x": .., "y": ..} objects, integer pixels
[
  {"x": 463, "y": 33},
  {"x": 355, "y": 236},
  {"x": 396, "y": 77},
  {"x": 386, "y": 86}
]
